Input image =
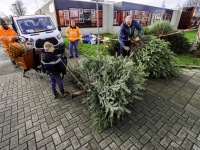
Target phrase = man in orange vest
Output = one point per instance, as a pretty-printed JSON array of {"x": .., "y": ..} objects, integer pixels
[
  {"x": 74, "y": 34},
  {"x": 8, "y": 35}
]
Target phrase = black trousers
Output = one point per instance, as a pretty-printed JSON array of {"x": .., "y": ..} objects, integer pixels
[{"x": 124, "y": 52}]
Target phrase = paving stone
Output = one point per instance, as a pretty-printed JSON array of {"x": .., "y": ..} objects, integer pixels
[
  {"x": 56, "y": 138},
  {"x": 32, "y": 144},
  {"x": 65, "y": 122},
  {"x": 162, "y": 132},
  {"x": 26, "y": 138},
  {"x": 181, "y": 135},
  {"x": 50, "y": 146},
  {"x": 133, "y": 148},
  {"x": 193, "y": 140},
  {"x": 67, "y": 136},
  {"x": 105, "y": 142},
  {"x": 187, "y": 144},
  {"x": 174, "y": 138},
  {"x": 61, "y": 130},
  {"x": 114, "y": 146},
  {"x": 135, "y": 142},
  {"x": 91, "y": 145},
  {"x": 190, "y": 132},
  {"x": 85, "y": 139},
  {"x": 63, "y": 145},
  {"x": 195, "y": 103},
  {"x": 125, "y": 136},
  {"x": 38, "y": 135},
  {"x": 6, "y": 129},
  {"x": 4, "y": 143},
  {"x": 97, "y": 137},
  {"x": 78, "y": 133},
  {"x": 156, "y": 144},
  {"x": 165, "y": 141},
  {"x": 135, "y": 133},
  {"x": 148, "y": 146},
  {"x": 75, "y": 142},
  {"x": 143, "y": 130},
  {"x": 49, "y": 132},
  {"x": 21, "y": 147},
  {"x": 180, "y": 99},
  {"x": 32, "y": 130},
  {"x": 164, "y": 95},
  {"x": 8, "y": 136},
  {"x": 192, "y": 109},
  {"x": 44, "y": 142},
  {"x": 126, "y": 145},
  {"x": 116, "y": 139},
  {"x": 195, "y": 147},
  {"x": 185, "y": 94},
  {"x": 44, "y": 127},
  {"x": 145, "y": 138},
  {"x": 14, "y": 142}
]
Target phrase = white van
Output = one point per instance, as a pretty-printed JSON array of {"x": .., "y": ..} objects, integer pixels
[{"x": 40, "y": 29}]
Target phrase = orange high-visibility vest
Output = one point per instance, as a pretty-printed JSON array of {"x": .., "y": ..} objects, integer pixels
[
  {"x": 7, "y": 35},
  {"x": 73, "y": 33}
]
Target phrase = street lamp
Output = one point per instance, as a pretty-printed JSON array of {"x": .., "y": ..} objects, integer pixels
[{"x": 98, "y": 17}]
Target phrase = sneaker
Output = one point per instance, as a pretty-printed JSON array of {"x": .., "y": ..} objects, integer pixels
[
  {"x": 56, "y": 95},
  {"x": 76, "y": 55},
  {"x": 65, "y": 93},
  {"x": 71, "y": 56}
]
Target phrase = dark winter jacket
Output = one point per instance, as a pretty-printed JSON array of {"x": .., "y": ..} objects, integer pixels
[
  {"x": 126, "y": 32},
  {"x": 52, "y": 63}
]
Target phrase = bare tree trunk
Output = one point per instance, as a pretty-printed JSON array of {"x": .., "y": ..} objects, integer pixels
[{"x": 18, "y": 8}]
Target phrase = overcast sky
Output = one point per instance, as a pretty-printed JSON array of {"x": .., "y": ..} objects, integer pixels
[{"x": 32, "y": 7}]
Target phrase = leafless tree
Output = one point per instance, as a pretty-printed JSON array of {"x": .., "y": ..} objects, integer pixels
[
  {"x": 18, "y": 8},
  {"x": 5, "y": 18},
  {"x": 193, "y": 3},
  {"x": 163, "y": 4}
]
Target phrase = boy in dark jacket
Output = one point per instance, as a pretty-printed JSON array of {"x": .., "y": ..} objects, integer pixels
[{"x": 53, "y": 67}]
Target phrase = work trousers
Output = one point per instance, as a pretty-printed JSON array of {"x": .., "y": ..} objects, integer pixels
[{"x": 71, "y": 44}]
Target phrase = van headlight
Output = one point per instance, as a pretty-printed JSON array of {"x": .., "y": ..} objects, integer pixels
[{"x": 59, "y": 36}]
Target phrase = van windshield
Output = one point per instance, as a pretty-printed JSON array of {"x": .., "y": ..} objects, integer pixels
[{"x": 34, "y": 25}]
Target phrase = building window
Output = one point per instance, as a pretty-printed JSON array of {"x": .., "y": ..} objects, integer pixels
[
  {"x": 87, "y": 18},
  {"x": 115, "y": 18},
  {"x": 61, "y": 17},
  {"x": 66, "y": 17}
]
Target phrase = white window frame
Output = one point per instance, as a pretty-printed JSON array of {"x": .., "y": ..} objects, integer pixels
[{"x": 68, "y": 17}]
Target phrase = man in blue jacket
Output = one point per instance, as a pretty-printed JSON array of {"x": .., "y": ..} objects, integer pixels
[{"x": 126, "y": 34}]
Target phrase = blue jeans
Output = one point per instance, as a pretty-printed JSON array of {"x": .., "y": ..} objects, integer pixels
[
  {"x": 71, "y": 44},
  {"x": 53, "y": 80}
]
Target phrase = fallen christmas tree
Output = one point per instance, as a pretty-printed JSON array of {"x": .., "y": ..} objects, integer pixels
[
  {"x": 155, "y": 55},
  {"x": 111, "y": 84}
]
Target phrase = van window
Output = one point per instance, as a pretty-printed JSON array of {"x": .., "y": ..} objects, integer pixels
[{"x": 33, "y": 25}]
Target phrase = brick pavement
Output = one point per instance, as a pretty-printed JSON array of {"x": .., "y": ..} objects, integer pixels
[{"x": 30, "y": 118}]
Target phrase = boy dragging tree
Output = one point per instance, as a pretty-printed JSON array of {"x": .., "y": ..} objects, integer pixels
[{"x": 53, "y": 66}]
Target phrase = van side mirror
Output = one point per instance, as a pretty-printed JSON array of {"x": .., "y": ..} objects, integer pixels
[{"x": 59, "y": 27}]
